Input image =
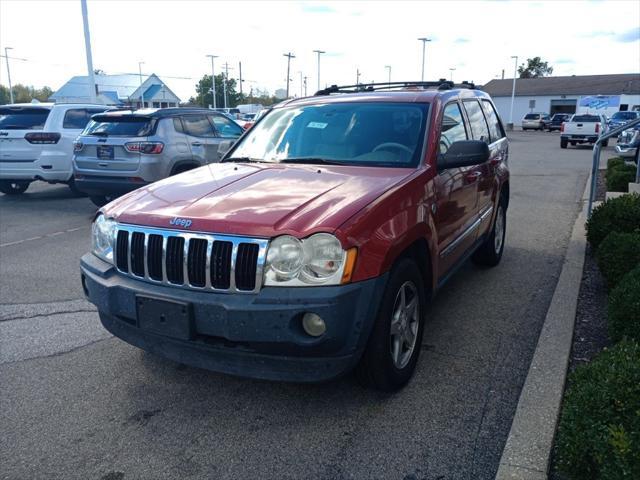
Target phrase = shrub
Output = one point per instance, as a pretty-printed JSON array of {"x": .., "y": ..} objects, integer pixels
[
  {"x": 624, "y": 308},
  {"x": 620, "y": 214},
  {"x": 614, "y": 162},
  {"x": 619, "y": 177},
  {"x": 618, "y": 254},
  {"x": 599, "y": 430}
]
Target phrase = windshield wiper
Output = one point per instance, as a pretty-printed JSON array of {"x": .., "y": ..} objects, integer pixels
[
  {"x": 311, "y": 160},
  {"x": 243, "y": 160}
]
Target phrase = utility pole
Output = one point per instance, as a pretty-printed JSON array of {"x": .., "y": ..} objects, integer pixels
[
  {"x": 451, "y": 70},
  {"x": 224, "y": 82},
  {"x": 141, "y": 92},
  {"x": 213, "y": 80},
  {"x": 305, "y": 86},
  {"x": 513, "y": 91},
  {"x": 503, "y": 74},
  {"x": 87, "y": 46},
  {"x": 358, "y": 76},
  {"x": 319, "y": 52},
  {"x": 289, "y": 57},
  {"x": 388, "y": 67},
  {"x": 240, "y": 74},
  {"x": 424, "y": 41},
  {"x": 301, "y": 86},
  {"x": 6, "y": 57}
]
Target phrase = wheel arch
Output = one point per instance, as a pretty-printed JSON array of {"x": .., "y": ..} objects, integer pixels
[{"x": 183, "y": 165}]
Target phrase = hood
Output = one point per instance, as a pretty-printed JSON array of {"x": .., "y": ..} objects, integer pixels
[{"x": 259, "y": 200}]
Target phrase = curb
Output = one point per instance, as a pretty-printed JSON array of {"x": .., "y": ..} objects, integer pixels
[{"x": 528, "y": 447}]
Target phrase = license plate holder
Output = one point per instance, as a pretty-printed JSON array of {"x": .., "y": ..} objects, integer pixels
[
  {"x": 105, "y": 152},
  {"x": 165, "y": 317}
]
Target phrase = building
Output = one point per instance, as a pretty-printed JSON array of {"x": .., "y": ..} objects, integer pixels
[
  {"x": 120, "y": 90},
  {"x": 604, "y": 94}
]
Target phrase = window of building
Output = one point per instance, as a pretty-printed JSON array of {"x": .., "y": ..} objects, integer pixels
[{"x": 156, "y": 104}]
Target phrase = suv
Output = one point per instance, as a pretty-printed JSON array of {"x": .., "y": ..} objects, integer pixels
[
  {"x": 36, "y": 143},
  {"x": 535, "y": 121},
  {"x": 620, "y": 118},
  {"x": 557, "y": 120},
  {"x": 316, "y": 244},
  {"x": 121, "y": 151}
]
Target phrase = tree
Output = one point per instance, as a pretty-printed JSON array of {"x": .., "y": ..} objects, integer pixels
[
  {"x": 535, "y": 68},
  {"x": 24, "y": 94},
  {"x": 203, "y": 92}
]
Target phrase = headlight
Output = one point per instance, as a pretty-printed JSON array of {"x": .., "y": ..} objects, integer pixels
[
  {"x": 317, "y": 260},
  {"x": 103, "y": 237}
]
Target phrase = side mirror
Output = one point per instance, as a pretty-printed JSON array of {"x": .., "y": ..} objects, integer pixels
[
  {"x": 224, "y": 146},
  {"x": 464, "y": 153}
]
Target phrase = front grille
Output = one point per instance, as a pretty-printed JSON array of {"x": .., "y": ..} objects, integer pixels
[{"x": 196, "y": 261}]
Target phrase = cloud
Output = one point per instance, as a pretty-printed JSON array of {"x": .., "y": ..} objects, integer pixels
[
  {"x": 306, "y": 8},
  {"x": 461, "y": 40},
  {"x": 629, "y": 36}
]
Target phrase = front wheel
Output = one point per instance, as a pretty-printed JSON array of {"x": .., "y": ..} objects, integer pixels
[
  {"x": 13, "y": 187},
  {"x": 392, "y": 351},
  {"x": 490, "y": 252}
]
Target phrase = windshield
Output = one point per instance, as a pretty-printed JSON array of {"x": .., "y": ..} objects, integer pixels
[
  {"x": 23, "y": 119},
  {"x": 380, "y": 134},
  {"x": 119, "y": 126},
  {"x": 624, "y": 116}
]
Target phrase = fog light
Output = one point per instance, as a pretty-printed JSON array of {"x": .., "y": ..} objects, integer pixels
[{"x": 313, "y": 324}]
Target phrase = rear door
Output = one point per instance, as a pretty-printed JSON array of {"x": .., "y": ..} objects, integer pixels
[
  {"x": 15, "y": 123},
  {"x": 201, "y": 137}
]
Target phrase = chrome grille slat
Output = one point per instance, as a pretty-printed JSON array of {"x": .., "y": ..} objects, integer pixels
[{"x": 209, "y": 261}]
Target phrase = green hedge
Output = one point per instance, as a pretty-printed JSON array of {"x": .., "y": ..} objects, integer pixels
[
  {"x": 620, "y": 214},
  {"x": 614, "y": 162},
  {"x": 618, "y": 254},
  {"x": 624, "y": 308},
  {"x": 619, "y": 177},
  {"x": 599, "y": 430}
]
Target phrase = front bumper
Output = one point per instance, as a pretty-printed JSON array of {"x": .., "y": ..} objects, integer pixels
[
  {"x": 626, "y": 151},
  {"x": 252, "y": 335}
]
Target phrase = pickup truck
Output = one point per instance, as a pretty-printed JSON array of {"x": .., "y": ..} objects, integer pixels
[
  {"x": 315, "y": 245},
  {"x": 583, "y": 128}
]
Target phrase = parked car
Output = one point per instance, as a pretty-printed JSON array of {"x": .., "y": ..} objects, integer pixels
[
  {"x": 534, "y": 121},
  {"x": 555, "y": 123},
  {"x": 36, "y": 143},
  {"x": 124, "y": 150},
  {"x": 315, "y": 245},
  {"x": 628, "y": 143},
  {"x": 620, "y": 118},
  {"x": 583, "y": 128}
]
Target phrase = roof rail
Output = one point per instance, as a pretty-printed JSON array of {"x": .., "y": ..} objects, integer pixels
[{"x": 442, "y": 84}]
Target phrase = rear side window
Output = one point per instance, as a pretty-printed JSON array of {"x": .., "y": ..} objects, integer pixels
[
  {"x": 177, "y": 125},
  {"x": 477, "y": 122},
  {"x": 532, "y": 116},
  {"x": 495, "y": 128},
  {"x": 197, "y": 126},
  {"x": 120, "y": 126},
  {"x": 23, "y": 118},
  {"x": 226, "y": 128},
  {"x": 77, "y": 118},
  {"x": 452, "y": 127}
]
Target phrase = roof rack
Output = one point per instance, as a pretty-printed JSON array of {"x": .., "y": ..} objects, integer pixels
[{"x": 442, "y": 84}]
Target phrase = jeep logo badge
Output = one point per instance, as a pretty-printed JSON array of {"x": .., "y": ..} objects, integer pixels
[{"x": 180, "y": 222}]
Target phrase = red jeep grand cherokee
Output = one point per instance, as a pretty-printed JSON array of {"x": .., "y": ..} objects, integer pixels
[{"x": 316, "y": 243}]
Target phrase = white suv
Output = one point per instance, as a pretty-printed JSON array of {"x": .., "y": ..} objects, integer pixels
[{"x": 36, "y": 143}]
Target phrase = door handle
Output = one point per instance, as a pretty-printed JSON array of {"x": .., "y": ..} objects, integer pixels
[{"x": 196, "y": 144}]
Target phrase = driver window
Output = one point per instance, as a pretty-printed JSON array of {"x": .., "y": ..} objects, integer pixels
[
  {"x": 225, "y": 127},
  {"x": 452, "y": 127}
]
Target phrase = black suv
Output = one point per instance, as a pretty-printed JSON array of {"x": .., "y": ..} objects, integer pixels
[{"x": 556, "y": 121}]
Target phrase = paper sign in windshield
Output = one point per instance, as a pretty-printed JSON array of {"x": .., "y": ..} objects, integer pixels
[{"x": 317, "y": 125}]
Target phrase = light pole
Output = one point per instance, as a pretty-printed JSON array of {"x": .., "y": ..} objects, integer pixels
[
  {"x": 388, "y": 67},
  {"x": 451, "y": 70},
  {"x": 6, "y": 57},
  {"x": 513, "y": 91},
  {"x": 141, "y": 93},
  {"x": 213, "y": 80},
  {"x": 358, "y": 76},
  {"x": 319, "y": 52},
  {"x": 424, "y": 41},
  {"x": 87, "y": 46},
  {"x": 289, "y": 57}
]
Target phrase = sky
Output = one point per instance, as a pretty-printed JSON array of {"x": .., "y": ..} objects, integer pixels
[{"x": 476, "y": 38}]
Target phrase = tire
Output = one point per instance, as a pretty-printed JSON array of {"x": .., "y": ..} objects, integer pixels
[
  {"x": 605, "y": 143},
  {"x": 14, "y": 187},
  {"x": 74, "y": 189},
  {"x": 489, "y": 253},
  {"x": 573, "y": 144},
  {"x": 563, "y": 143},
  {"x": 101, "y": 200},
  {"x": 377, "y": 368}
]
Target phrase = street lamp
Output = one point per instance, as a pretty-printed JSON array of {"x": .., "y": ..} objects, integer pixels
[
  {"x": 87, "y": 46},
  {"x": 6, "y": 57},
  {"x": 141, "y": 93},
  {"x": 424, "y": 41},
  {"x": 451, "y": 70},
  {"x": 388, "y": 67},
  {"x": 289, "y": 56},
  {"x": 513, "y": 91},
  {"x": 319, "y": 52},
  {"x": 213, "y": 80}
]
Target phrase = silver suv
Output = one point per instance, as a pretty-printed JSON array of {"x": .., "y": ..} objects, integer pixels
[{"x": 121, "y": 151}]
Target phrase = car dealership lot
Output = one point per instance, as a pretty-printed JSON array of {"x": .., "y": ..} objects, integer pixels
[{"x": 77, "y": 403}]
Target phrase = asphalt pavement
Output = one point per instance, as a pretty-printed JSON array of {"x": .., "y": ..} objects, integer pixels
[{"x": 76, "y": 403}]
